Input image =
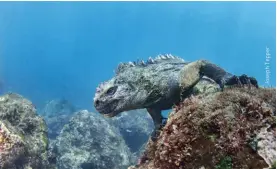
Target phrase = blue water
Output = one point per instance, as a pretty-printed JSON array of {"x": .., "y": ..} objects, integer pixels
[{"x": 51, "y": 50}]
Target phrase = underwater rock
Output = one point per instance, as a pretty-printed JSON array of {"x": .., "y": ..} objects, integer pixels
[
  {"x": 136, "y": 127},
  {"x": 89, "y": 141},
  {"x": 23, "y": 135},
  {"x": 52, "y": 153},
  {"x": 58, "y": 107},
  {"x": 233, "y": 129},
  {"x": 56, "y": 114}
]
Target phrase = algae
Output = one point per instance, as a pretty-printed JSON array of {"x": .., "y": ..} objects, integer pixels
[{"x": 225, "y": 163}]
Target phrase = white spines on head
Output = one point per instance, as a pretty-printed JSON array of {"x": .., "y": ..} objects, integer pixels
[
  {"x": 150, "y": 60},
  {"x": 131, "y": 64}
]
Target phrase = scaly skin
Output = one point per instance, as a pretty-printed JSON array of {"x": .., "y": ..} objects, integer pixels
[{"x": 157, "y": 85}]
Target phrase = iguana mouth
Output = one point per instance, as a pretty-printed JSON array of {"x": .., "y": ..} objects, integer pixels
[
  {"x": 112, "y": 114},
  {"x": 108, "y": 110}
]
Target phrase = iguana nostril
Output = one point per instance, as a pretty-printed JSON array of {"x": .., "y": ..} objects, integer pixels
[{"x": 96, "y": 103}]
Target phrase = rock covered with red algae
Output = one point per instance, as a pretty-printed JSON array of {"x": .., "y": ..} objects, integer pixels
[
  {"x": 233, "y": 129},
  {"x": 23, "y": 135}
]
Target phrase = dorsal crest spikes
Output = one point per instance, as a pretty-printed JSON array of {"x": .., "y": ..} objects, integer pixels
[
  {"x": 131, "y": 64},
  {"x": 163, "y": 57},
  {"x": 99, "y": 88},
  {"x": 140, "y": 63},
  {"x": 150, "y": 60},
  {"x": 123, "y": 66}
]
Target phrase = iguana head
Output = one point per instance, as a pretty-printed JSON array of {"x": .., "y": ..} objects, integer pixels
[
  {"x": 112, "y": 98},
  {"x": 120, "y": 93}
]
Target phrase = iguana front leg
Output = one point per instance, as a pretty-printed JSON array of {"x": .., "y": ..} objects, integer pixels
[
  {"x": 157, "y": 119},
  {"x": 194, "y": 71}
]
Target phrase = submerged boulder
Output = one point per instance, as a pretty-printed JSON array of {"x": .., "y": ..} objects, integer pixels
[
  {"x": 58, "y": 107},
  {"x": 56, "y": 114},
  {"x": 135, "y": 126},
  {"x": 233, "y": 129},
  {"x": 89, "y": 141},
  {"x": 23, "y": 135}
]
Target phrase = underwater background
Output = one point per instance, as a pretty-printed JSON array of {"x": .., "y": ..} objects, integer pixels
[
  {"x": 52, "y": 50},
  {"x": 53, "y": 55}
]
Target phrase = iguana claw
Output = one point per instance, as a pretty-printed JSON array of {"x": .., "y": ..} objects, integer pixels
[
  {"x": 155, "y": 134},
  {"x": 239, "y": 80}
]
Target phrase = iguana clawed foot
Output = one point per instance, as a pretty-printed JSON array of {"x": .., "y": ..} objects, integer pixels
[
  {"x": 239, "y": 81},
  {"x": 155, "y": 134},
  {"x": 157, "y": 130}
]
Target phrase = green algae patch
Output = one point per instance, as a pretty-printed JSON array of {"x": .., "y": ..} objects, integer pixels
[
  {"x": 45, "y": 140},
  {"x": 225, "y": 163},
  {"x": 212, "y": 137},
  {"x": 273, "y": 165}
]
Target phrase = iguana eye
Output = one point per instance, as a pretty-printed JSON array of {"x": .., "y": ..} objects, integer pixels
[{"x": 111, "y": 90}]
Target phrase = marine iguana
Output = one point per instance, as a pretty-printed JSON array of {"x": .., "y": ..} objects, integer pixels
[{"x": 157, "y": 85}]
